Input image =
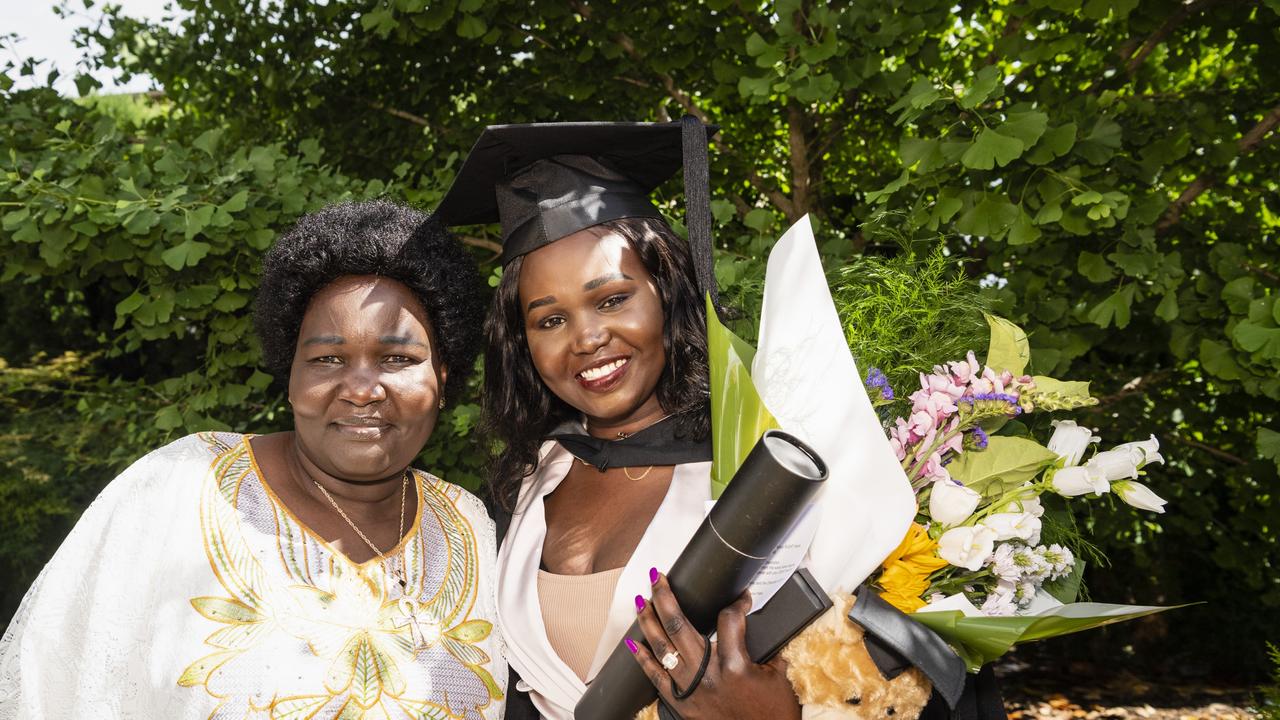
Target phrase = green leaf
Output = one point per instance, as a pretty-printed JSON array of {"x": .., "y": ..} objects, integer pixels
[
  {"x": 1027, "y": 126},
  {"x": 1094, "y": 267},
  {"x": 989, "y": 218},
  {"x": 1268, "y": 441},
  {"x": 1115, "y": 309},
  {"x": 196, "y": 220},
  {"x": 991, "y": 148},
  {"x": 1101, "y": 143},
  {"x": 1167, "y": 310},
  {"x": 208, "y": 141},
  {"x": 185, "y": 254},
  {"x": 984, "y": 84},
  {"x": 471, "y": 27},
  {"x": 758, "y": 219},
  {"x": 237, "y": 202},
  {"x": 1220, "y": 360},
  {"x": 1006, "y": 463},
  {"x": 738, "y": 415},
  {"x": 130, "y": 303},
  {"x": 914, "y": 150},
  {"x": 1023, "y": 231},
  {"x": 259, "y": 380},
  {"x": 1263, "y": 341},
  {"x": 1066, "y": 588},
  {"x": 1053, "y": 144},
  {"x": 230, "y": 301},
  {"x": 1238, "y": 293},
  {"x": 195, "y": 296},
  {"x": 1008, "y": 348},
  {"x": 168, "y": 418}
]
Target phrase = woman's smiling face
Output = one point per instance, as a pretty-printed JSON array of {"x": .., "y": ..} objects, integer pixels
[
  {"x": 365, "y": 384},
  {"x": 594, "y": 322}
]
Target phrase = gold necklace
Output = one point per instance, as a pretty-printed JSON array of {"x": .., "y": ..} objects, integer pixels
[
  {"x": 404, "y": 491},
  {"x": 627, "y": 472}
]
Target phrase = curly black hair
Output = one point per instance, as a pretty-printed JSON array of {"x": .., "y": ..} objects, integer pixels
[
  {"x": 519, "y": 409},
  {"x": 371, "y": 238}
]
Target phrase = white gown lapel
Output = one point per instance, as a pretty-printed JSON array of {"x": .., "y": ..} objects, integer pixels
[
  {"x": 519, "y": 611},
  {"x": 677, "y": 518},
  {"x": 556, "y": 688}
]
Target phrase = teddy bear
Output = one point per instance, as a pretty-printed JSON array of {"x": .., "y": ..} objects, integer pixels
[{"x": 835, "y": 678}]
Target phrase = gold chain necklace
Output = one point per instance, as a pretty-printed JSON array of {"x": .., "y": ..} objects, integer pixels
[
  {"x": 404, "y": 491},
  {"x": 627, "y": 472}
]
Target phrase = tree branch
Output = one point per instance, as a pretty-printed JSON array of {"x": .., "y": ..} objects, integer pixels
[
  {"x": 1157, "y": 37},
  {"x": 482, "y": 243},
  {"x": 1135, "y": 58},
  {"x": 415, "y": 119},
  {"x": 800, "y": 169},
  {"x": 777, "y": 198},
  {"x": 1220, "y": 454},
  {"x": 1248, "y": 143}
]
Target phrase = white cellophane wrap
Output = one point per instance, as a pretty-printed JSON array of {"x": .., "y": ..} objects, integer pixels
[
  {"x": 808, "y": 379},
  {"x": 187, "y": 590}
]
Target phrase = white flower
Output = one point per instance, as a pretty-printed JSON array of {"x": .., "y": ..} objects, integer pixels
[
  {"x": 1059, "y": 560},
  {"x": 1143, "y": 451},
  {"x": 1025, "y": 593},
  {"x": 1003, "y": 563},
  {"x": 1000, "y": 602},
  {"x": 967, "y": 547},
  {"x": 1079, "y": 480},
  {"x": 1138, "y": 495},
  {"x": 1116, "y": 464},
  {"x": 951, "y": 503},
  {"x": 1069, "y": 441},
  {"x": 1014, "y": 526}
]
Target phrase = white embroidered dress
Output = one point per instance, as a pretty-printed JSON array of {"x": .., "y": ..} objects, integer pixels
[{"x": 187, "y": 590}]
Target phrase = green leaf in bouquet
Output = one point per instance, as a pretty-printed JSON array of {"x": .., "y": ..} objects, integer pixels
[
  {"x": 980, "y": 639},
  {"x": 738, "y": 415},
  {"x": 1051, "y": 394},
  {"x": 1006, "y": 463},
  {"x": 1067, "y": 588},
  {"x": 1008, "y": 349}
]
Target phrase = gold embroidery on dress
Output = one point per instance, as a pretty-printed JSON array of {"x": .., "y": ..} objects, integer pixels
[{"x": 350, "y": 626}]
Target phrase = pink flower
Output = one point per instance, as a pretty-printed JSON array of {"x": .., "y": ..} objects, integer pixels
[
  {"x": 940, "y": 382},
  {"x": 922, "y": 423},
  {"x": 964, "y": 370}
]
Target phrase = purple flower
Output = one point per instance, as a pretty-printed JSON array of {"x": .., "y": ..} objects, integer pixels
[
  {"x": 980, "y": 438},
  {"x": 886, "y": 392},
  {"x": 875, "y": 378}
]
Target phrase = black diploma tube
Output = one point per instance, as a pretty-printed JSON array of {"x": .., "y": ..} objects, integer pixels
[{"x": 775, "y": 484}]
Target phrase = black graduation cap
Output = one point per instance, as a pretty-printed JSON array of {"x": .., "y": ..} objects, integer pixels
[{"x": 544, "y": 181}]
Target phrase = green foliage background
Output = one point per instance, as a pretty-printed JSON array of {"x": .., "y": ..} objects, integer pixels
[{"x": 1104, "y": 170}]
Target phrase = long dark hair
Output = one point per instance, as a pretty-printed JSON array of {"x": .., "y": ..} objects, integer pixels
[{"x": 519, "y": 410}]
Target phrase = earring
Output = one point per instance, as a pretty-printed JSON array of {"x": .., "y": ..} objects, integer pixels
[{"x": 441, "y": 402}]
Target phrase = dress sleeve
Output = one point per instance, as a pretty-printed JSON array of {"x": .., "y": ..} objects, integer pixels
[{"x": 77, "y": 625}]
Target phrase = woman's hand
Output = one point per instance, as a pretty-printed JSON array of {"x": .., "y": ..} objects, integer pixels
[{"x": 732, "y": 686}]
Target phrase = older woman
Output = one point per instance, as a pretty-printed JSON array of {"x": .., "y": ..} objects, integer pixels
[{"x": 310, "y": 573}]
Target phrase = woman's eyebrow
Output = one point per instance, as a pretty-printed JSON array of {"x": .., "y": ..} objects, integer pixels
[
  {"x": 592, "y": 285},
  {"x": 325, "y": 340},
  {"x": 545, "y": 300},
  {"x": 400, "y": 340}
]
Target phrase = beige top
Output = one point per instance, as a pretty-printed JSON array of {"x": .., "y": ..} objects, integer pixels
[{"x": 574, "y": 611}]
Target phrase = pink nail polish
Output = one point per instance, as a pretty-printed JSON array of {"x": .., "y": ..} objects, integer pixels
[
  {"x": 639, "y": 603},
  {"x": 653, "y": 576},
  {"x": 631, "y": 645}
]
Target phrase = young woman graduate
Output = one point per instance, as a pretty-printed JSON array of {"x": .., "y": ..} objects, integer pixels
[{"x": 596, "y": 383}]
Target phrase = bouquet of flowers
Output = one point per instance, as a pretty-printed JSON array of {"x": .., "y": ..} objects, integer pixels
[
  {"x": 975, "y": 551},
  {"x": 959, "y": 475}
]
